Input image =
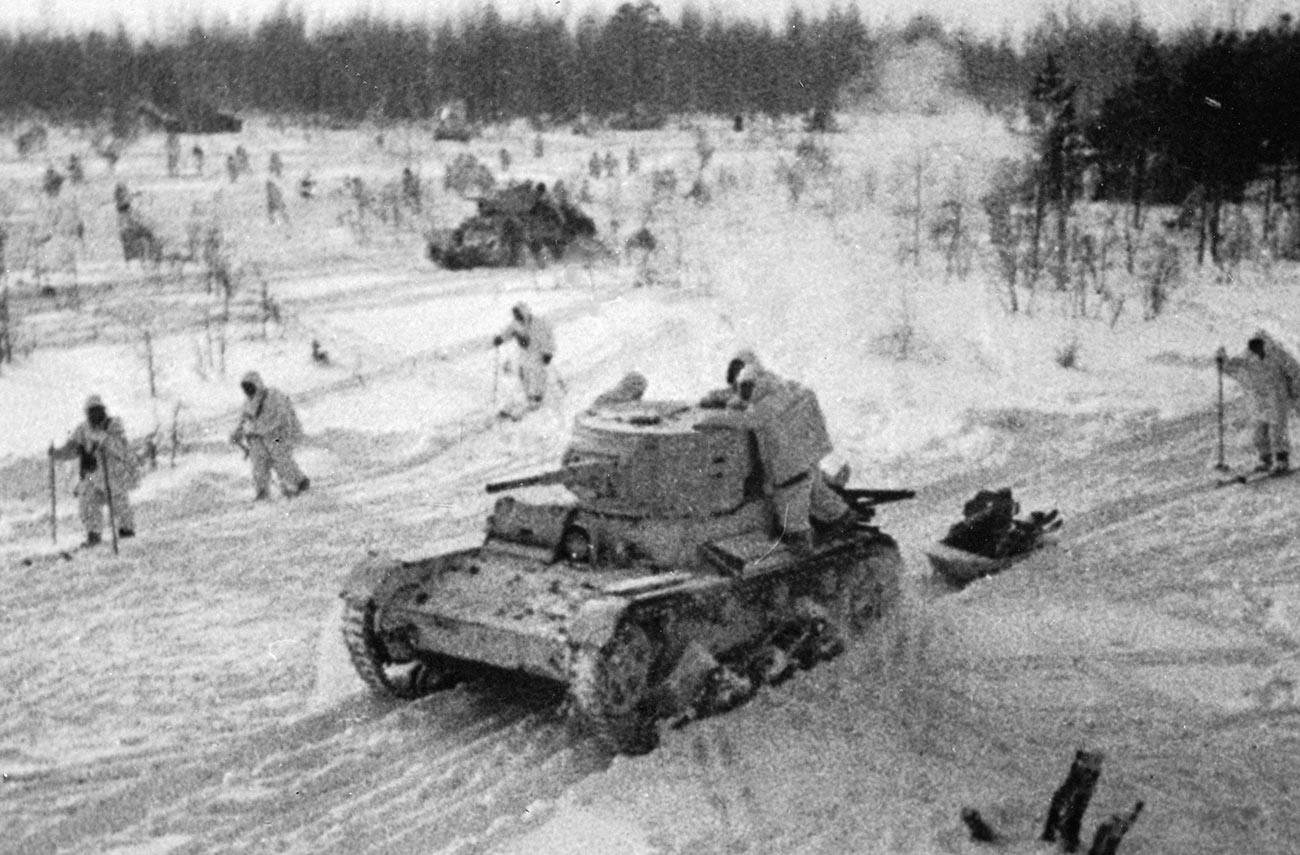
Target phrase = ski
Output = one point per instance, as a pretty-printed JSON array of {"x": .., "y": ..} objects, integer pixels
[
  {"x": 1250, "y": 478},
  {"x": 47, "y": 557}
]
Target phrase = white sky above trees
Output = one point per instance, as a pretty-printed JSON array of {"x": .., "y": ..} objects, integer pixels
[{"x": 159, "y": 17}]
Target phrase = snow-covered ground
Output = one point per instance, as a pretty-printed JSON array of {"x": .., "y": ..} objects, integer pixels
[{"x": 192, "y": 694}]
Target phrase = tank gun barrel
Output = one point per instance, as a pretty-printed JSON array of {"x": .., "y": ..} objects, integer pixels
[{"x": 577, "y": 471}]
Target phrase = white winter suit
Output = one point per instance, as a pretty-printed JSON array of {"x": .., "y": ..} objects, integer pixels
[
  {"x": 536, "y": 343},
  {"x": 269, "y": 429},
  {"x": 787, "y": 417},
  {"x": 92, "y": 445},
  {"x": 1273, "y": 381}
]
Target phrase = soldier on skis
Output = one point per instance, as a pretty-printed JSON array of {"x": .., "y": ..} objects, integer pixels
[
  {"x": 1272, "y": 377},
  {"x": 536, "y": 343},
  {"x": 268, "y": 430},
  {"x": 99, "y": 443}
]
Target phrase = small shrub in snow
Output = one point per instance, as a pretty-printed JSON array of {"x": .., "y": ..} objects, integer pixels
[{"x": 1067, "y": 355}]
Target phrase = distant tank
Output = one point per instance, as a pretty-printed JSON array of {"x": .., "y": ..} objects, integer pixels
[
  {"x": 521, "y": 222},
  {"x": 651, "y": 584}
]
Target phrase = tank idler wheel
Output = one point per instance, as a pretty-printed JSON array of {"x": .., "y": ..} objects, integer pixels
[
  {"x": 382, "y": 668},
  {"x": 611, "y": 689}
]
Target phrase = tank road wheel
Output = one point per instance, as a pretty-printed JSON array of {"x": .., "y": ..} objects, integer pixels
[
  {"x": 869, "y": 588},
  {"x": 610, "y": 689},
  {"x": 385, "y": 667}
]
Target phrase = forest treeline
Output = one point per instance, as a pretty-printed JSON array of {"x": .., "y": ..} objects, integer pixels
[{"x": 1155, "y": 116}]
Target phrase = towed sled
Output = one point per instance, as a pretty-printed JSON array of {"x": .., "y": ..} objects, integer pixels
[
  {"x": 959, "y": 568},
  {"x": 989, "y": 538}
]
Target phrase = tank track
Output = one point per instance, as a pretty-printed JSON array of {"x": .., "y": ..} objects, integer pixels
[{"x": 371, "y": 659}]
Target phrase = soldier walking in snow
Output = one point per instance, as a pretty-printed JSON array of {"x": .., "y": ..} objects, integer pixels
[
  {"x": 536, "y": 349},
  {"x": 268, "y": 430},
  {"x": 100, "y": 443},
  {"x": 1272, "y": 377}
]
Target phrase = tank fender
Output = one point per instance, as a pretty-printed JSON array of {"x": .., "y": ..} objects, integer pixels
[
  {"x": 378, "y": 575},
  {"x": 596, "y": 621}
]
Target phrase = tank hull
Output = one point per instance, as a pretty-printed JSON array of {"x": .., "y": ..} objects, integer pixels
[{"x": 505, "y": 608}]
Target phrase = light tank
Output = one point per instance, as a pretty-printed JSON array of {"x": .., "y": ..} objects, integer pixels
[
  {"x": 511, "y": 226},
  {"x": 652, "y": 586}
]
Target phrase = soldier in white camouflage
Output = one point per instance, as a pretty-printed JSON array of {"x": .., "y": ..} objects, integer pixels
[
  {"x": 1272, "y": 377},
  {"x": 792, "y": 440},
  {"x": 536, "y": 343},
  {"x": 97, "y": 444},
  {"x": 268, "y": 431}
]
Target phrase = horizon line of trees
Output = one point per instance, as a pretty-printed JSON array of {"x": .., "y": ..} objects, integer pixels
[{"x": 500, "y": 69}]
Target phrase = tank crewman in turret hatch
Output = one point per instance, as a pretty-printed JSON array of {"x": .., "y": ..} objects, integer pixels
[
  {"x": 536, "y": 343},
  {"x": 101, "y": 438},
  {"x": 1272, "y": 377},
  {"x": 268, "y": 430}
]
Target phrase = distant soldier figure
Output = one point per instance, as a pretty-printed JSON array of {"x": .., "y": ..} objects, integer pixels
[
  {"x": 52, "y": 182},
  {"x": 241, "y": 160},
  {"x": 173, "y": 155},
  {"x": 611, "y": 164},
  {"x": 504, "y": 156},
  {"x": 100, "y": 440},
  {"x": 539, "y": 147},
  {"x": 121, "y": 198},
  {"x": 1272, "y": 377},
  {"x": 197, "y": 154},
  {"x": 232, "y": 168},
  {"x": 276, "y": 165},
  {"x": 268, "y": 430},
  {"x": 593, "y": 165},
  {"x": 76, "y": 172},
  {"x": 536, "y": 349},
  {"x": 633, "y": 160},
  {"x": 410, "y": 188},
  {"x": 275, "y": 210}
]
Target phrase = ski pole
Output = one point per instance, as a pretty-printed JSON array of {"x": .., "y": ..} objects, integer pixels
[
  {"x": 54, "y": 502},
  {"x": 1222, "y": 465},
  {"x": 108, "y": 492},
  {"x": 496, "y": 373}
]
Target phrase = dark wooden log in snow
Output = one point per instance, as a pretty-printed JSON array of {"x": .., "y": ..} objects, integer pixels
[
  {"x": 1070, "y": 801},
  {"x": 979, "y": 829},
  {"x": 1111, "y": 832}
]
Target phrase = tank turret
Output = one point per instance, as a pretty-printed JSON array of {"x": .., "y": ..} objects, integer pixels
[{"x": 657, "y": 558}]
